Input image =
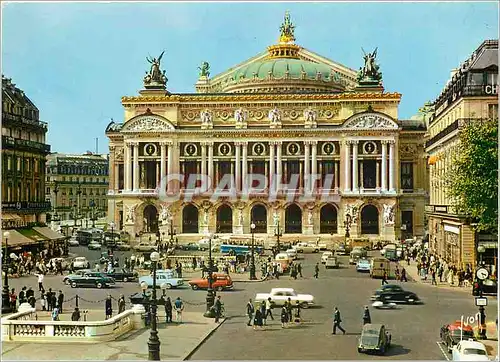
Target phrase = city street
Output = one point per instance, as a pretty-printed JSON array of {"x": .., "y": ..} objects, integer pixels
[{"x": 414, "y": 328}]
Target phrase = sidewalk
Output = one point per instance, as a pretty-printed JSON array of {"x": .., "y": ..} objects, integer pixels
[
  {"x": 412, "y": 274},
  {"x": 178, "y": 341}
]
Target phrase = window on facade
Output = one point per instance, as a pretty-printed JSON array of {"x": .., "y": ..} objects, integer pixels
[
  {"x": 9, "y": 163},
  {"x": 47, "y": 191},
  {"x": 64, "y": 178},
  {"x": 475, "y": 79},
  {"x": 27, "y": 164},
  {"x": 493, "y": 111},
  {"x": 492, "y": 78},
  {"x": 328, "y": 170},
  {"x": 407, "y": 175},
  {"x": 19, "y": 163}
]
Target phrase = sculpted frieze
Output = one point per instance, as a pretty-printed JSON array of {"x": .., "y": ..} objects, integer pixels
[
  {"x": 371, "y": 121},
  {"x": 148, "y": 124}
]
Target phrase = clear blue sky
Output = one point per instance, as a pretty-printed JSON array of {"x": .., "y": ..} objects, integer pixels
[{"x": 76, "y": 60}]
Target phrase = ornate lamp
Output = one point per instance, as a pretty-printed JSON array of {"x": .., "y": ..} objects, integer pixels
[
  {"x": 252, "y": 260},
  {"x": 6, "y": 307},
  {"x": 154, "y": 341}
]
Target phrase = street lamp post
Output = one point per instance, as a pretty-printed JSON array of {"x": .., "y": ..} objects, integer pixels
[
  {"x": 56, "y": 191},
  {"x": 278, "y": 233},
  {"x": 171, "y": 232},
  {"x": 209, "y": 313},
  {"x": 78, "y": 193},
  {"x": 92, "y": 212},
  {"x": 252, "y": 260},
  {"x": 6, "y": 307},
  {"x": 154, "y": 341}
]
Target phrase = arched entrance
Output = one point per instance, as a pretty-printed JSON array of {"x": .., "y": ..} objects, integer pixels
[
  {"x": 190, "y": 219},
  {"x": 224, "y": 219},
  {"x": 328, "y": 219},
  {"x": 259, "y": 218},
  {"x": 369, "y": 220},
  {"x": 293, "y": 219},
  {"x": 150, "y": 216}
]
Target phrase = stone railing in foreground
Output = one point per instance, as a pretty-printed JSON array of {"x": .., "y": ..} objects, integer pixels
[{"x": 21, "y": 327}]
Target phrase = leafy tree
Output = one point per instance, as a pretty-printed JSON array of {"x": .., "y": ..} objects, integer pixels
[{"x": 472, "y": 182}]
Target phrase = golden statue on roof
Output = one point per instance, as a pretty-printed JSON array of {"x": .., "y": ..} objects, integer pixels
[{"x": 287, "y": 29}]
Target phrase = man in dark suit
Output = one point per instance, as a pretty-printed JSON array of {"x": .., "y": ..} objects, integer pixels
[{"x": 336, "y": 321}]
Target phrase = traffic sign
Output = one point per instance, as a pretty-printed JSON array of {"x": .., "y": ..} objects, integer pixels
[
  {"x": 481, "y": 302},
  {"x": 482, "y": 273}
]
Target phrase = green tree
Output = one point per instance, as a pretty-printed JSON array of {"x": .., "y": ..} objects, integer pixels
[{"x": 472, "y": 182}]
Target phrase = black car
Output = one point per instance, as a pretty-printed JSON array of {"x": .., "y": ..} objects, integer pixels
[
  {"x": 190, "y": 246},
  {"x": 90, "y": 279},
  {"x": 123, "y": 275},
  {"x": 451, "y": 334},
  {"x": 374, "y": 338},
  {"x": 392, "y": 293},
  {"x": 489, "y": 287}
]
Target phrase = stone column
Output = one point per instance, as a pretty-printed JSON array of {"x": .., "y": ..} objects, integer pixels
[
  {"x": 211, "y": 164},
  {"x": 336, "y": 175},
  {"x": 117, "y": 177},
  {"x": 279, "y": 166},
  {"x": 355, "y": 166},
  {"x": 244, "y": 168},
  {"x": 237, "y": 164},
  {"x": 392, "y": 166},
  {"x": 361, "y": 175},
  {"x": 347, "y": 163},
  {"x": 384, "y": 166},
  {"x": 112, "y": 171},
  {"x": 314, "y": 166},
  {"x": 163, "y": 155},
  {"x": 158, "y": 176},
  {"x": 177, "y": 164},
  {"x": 307, "y": 163},
  {"x": 271, "y": 165},
  {"x": 203, "y": 146},
  {"x": 136, "y": 167},
  {"x": 127, "y": 166},
  {"x": 170, "y": 164},
  {"x": 377, "y": 176}
]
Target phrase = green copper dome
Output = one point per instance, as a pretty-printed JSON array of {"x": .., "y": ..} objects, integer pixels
[{"x": 277, "y": 67}]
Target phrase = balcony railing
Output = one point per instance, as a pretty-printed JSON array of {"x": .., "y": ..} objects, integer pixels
[
  {"x": 26, "y": 206},
  {"x": 8, "y": 141},
  {"x": 31, "y": 122}
]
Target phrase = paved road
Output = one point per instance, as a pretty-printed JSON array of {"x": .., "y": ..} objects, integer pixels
[{"x": 415, "y": 329}]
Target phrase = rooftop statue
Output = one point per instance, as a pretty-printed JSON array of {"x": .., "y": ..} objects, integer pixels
[
  {"x": 155, "y": 75},
  {"x": 204, "y": 69},
  {"x": 287, "y": 30},
  {"x": 370, "y": 71}
]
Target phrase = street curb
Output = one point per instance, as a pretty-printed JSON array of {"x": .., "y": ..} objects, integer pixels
[{"x": 207, "y": 336}]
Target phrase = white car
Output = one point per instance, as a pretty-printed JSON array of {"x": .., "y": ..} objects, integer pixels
[
  {"x": 325, "y": 256},
  {"x": 81, "y": 262},
  {"x": 145, "y": 247},
  {"x": 292, "y": 253},
  {"x": 469, "y": 351},
  {"x": 306, "y": 248},
  {"x": 280, "y": 295},
  {"x": 73, "y": 242}
]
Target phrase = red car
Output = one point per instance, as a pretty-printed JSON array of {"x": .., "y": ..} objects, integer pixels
[
  {"x": 219, "y": 282},
  {"x": 451, "y": 334}
]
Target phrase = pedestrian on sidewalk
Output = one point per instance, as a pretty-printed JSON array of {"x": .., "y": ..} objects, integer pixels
[
  {"x": 269, "y": 309},
  {"x": 440, "y": 273},
  {"x": 168, "y": 310},
  {"x": 397, "y": 273},
  {"x": 55, "y": 314},
  {"x": 403, "y": 275},
  {"x": 13, "y": 299},
  {"x": 299, "y": 269},
  {"x": 433, "y": 275},
  {"x": 179, "y": 308},
  {"x": 250, "y": 311},
  {"x": 257, "y": 320},
  {"x": 316, "y": 270},
  {"x": 284, "y": 317},
  {"x": 217, "y": 309},
  {"x": 289, "y": 307},
  {"x": 60, "y": 300},
  {"x": 384, "y": 278},
  {"x": 121, "y": 304},
  {"x": 336, "y": 321},
  {"x": 75, "y": 316},
  {"x": 40, "y": 282},
  {"x": 263, "y": 311},
  {"x": 108, "y": 307},
  {"x": 366, "y": 316}
]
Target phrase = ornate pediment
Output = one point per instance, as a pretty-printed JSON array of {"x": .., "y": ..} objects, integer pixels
[
  {"x": 370, "y": 121},
  {"x": 148, "y": 123}
]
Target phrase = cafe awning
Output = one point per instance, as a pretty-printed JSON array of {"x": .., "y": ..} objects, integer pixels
[
  {"x": 11, "y": 217},
  {"x": 17, "y": 239},
  {"x": 49, "y": 233}
]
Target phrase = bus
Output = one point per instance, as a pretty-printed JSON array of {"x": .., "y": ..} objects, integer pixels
[
  {"x": 85, "y": 236},
  {"x": 240, "y": 249}
]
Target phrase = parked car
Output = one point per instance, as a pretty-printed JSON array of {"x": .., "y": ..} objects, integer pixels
[
  {"x": 190, "y": 246},
  {"x": 122, "y": 246},
  {"x": 489, "y": 287},
  {"x": 280, "y": 295},
  {"x": 332, "y": 262},
  {"x": 325, "y": 256},
  {"x": 145, "y": 247},
  {"x": 94, "y": 245},
  {"x": 363, "y": 265},
  {"x": 292, "y": 253},
  {"x": 163, "y": 277},
  {"x": 220, "y": 282},
  {"x": 90, "y": 279},
  {"x": 81, "y": 262},
  {"x": 73, "y": 242},
  {"x": 451, "y": 334},
  {"x": 395, "y": 294},
  {"x": 374, "y": 338},
  {"x": 123, "y": 275},
  {"x": 469, "y": 351}
]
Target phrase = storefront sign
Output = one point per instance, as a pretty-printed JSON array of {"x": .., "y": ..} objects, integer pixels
[
  {"x": 452, "y": 229},
  {"x": 429, "y": 208},
  {"x": 491, "y": 89},
  {"x": 441, "y": 208}
]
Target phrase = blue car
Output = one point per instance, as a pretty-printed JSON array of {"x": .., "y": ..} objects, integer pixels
[
  {"x": 163, "y": 277},
  {"x": 363, "y": 265}
]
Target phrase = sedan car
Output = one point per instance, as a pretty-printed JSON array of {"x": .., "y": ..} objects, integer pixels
[
  {"x": 470, "y": 351},
  {"x": 73, "y": 242},
  {"x": 374, "y": 338},
  {"x": 145, "y": 247},
  {"x": 90, "y": 279},
  {"x": 78, "y": 273},
  {"x": 220, "y": 282},
  {"x": 122, "y": 246},
  {"x": 395, "y": 294},
  {"x": 94, "y": 245},
  {"x": 325, "y": 256},
  {"x": 342, "y": 249},
  {"x": 292, "y": 253},
  {"x": 81, "y": 262},
  {"x": 363, "y": 265},
  {"x": 123, "y": 275},
  {"x": 451, "y": 334},
  {"x": 163, "y": 277}
]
